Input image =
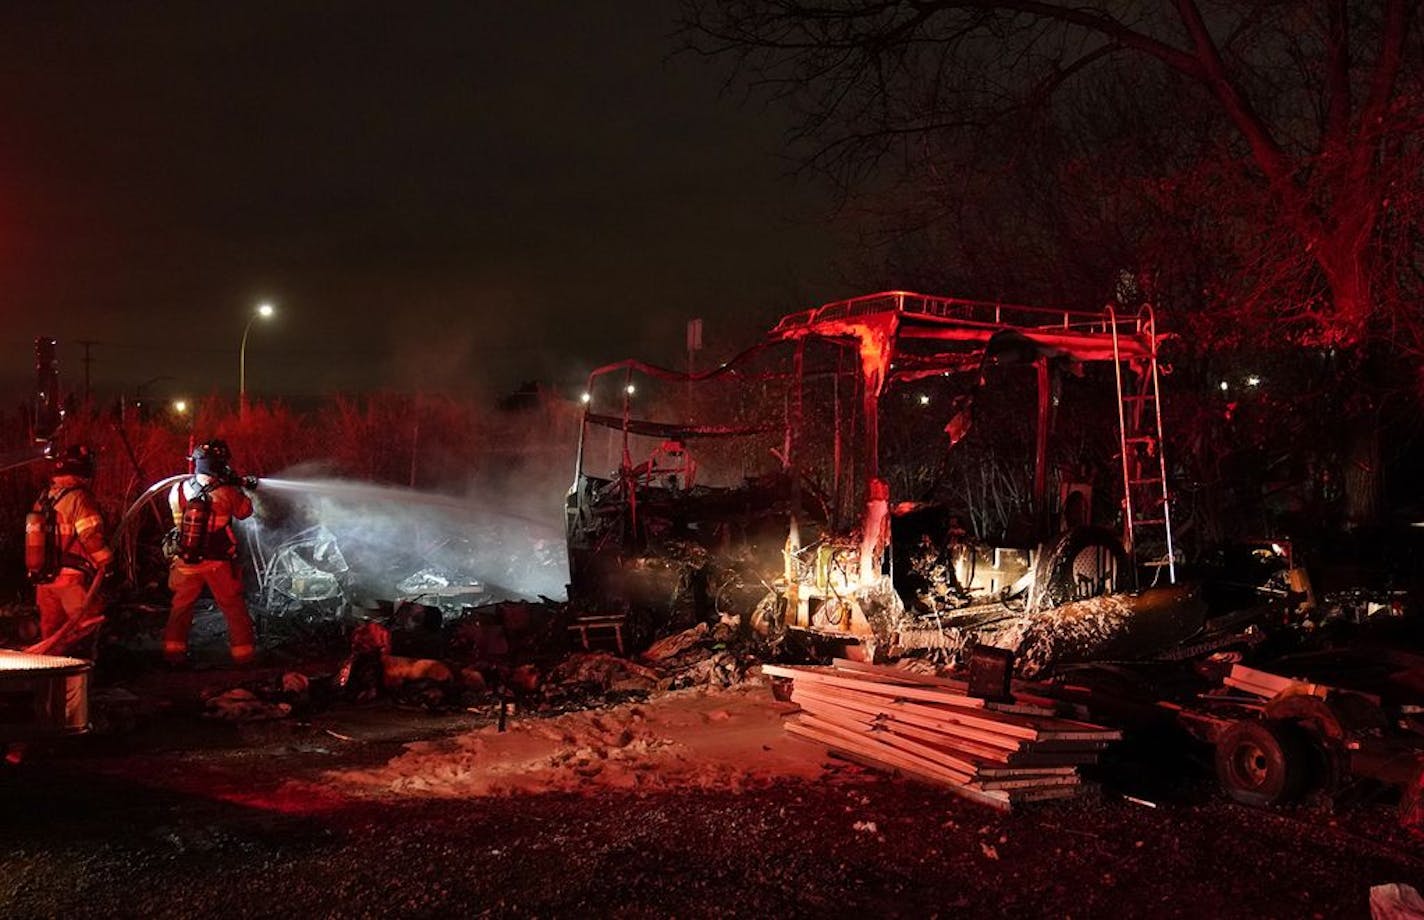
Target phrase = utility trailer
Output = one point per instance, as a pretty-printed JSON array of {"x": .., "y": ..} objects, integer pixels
[
  {"x": 816, "y": 507},
  {"x": 1347, "y": 724},
  {"x": 1285, "y": 736}
]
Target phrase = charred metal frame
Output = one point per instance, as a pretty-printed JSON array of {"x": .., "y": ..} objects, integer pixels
[{"x": 878, "y": 329}]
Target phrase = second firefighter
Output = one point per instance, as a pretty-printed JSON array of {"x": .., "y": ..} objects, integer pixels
[{"x": 204, "y": 547}]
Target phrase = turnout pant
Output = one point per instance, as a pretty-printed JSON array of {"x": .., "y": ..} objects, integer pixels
[
  {"x": 222, "y": 578},
  {"x": 60, "y": 601}
]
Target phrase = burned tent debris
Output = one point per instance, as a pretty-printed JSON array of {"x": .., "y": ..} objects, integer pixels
[{"x": 813, "y": 485}]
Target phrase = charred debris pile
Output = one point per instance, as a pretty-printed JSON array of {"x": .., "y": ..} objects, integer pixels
[
  {"x": 891, "y": 476},
  {"x": 506, "y": 657}
]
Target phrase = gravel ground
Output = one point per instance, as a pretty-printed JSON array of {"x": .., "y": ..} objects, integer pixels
[{"x": 235, "y": 826}]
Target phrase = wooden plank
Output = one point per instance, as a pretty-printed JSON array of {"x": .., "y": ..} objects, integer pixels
[
  {"x": 996, "y": 799},
  {"x": 928, "y": 680},
  {"x": 987, "y": 752},
  {"x": 862, "y": 742},
  {"x": 872, "y": 684},
  {"x": 1028, "y": 754},
  {"x": 1057, "y": 754},
  {"x": 1056, "y": 747},
  {"x": 1023, "y": 796},
  {"x": 882, "y": 706},
  {"x": 882, "y": 757},
  {"x": 951, "y": 701},
  {"x": 929, "y": 753},
  {"x": 983, "y": 766},
  {"x": 920, "y": 752},
  {"x": 1274, "y": 682},
  {"x": 1253, "y": 689},
  {"x": 888, "y": 759},
  {"x": 1260, "y": 678},
  {"x": 955, "y": 692},
  {"x": 952, "y": 708},
  {"x": 988, "y": 728},
  {"x": 952, "y": 760},
  {"x": 953, "y": 749},
  {"x": 1024, "y": 703},
  {"x": 1015, "y": 783}
]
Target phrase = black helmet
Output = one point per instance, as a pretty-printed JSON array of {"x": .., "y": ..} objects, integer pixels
[
  {"x": 77, "y": 460},
  {"x": 211, "y": 457}
]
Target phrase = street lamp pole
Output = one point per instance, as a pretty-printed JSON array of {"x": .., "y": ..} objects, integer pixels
[
  {"x": 188, "y": 413},
  {"x": 263, "y": 311}
]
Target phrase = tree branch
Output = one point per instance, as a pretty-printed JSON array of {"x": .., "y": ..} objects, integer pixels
[
  {"x": 1264, "y": 149},
  {"x": 1337, "y": 75},
  {"x": 1393, "y": 37},
  {"x": 1106, "y": 25}
]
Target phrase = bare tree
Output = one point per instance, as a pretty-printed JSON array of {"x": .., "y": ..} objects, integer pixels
[{"x": 1321, "y": 103}]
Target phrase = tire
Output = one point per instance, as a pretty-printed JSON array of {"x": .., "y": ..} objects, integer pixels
[
  {"x": 1082, "y": 563},
  {"x": 1262, "y": 763}
]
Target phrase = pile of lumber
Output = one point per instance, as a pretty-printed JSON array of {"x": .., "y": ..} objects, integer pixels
[{"x": 997, "y": 752}]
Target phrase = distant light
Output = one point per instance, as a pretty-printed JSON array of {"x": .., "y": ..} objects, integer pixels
[
  {"x": 265, "y": 310},
  {"x": 1253, "y": 381},
  {"x": 924, "y": 399},
  {"x": 180, "y": 406},
  {"x": 586, "y": 398},
  {"x": 1278, "y": 549},
  {"x": 1225, "y": 386},
  {"x": 630, "y": 389}
]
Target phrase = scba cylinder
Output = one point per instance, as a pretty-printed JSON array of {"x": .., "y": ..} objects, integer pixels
[{"x": 193, "y": 530}]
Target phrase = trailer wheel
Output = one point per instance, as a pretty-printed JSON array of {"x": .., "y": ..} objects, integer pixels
[{"x": 1262, "y": 763}]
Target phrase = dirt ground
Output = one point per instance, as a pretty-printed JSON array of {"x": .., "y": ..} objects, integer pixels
[{"x": 187, "y": 817}]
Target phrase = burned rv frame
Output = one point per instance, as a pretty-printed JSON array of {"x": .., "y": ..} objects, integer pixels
[{"x": 814, "y": 533}]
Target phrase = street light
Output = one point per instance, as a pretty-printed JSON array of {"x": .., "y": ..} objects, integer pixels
[{"x": 264, "y": 311}]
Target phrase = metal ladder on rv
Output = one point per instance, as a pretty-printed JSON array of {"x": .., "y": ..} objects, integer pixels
[{"x": 1147, "y": 507}]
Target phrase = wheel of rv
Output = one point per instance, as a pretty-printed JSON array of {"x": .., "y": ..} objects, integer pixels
[
  {"x": 1081, "y": 563},
  {"x": 1263, "y": 762}
]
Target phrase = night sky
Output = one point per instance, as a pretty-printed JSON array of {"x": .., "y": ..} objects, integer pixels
[{"x": 454, "y": 196}]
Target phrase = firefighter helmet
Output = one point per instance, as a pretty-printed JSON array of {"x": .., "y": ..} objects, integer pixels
[
  {"x": 211, "y": 457},
  {"x": 77, "y": 460}
]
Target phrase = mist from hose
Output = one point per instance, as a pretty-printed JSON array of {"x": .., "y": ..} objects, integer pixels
[{"x": 511, "y": 542}]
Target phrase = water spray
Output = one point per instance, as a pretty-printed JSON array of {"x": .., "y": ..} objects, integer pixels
[
  {"x": 369, "y": 492},
  {"x": 391, "y": 534}
]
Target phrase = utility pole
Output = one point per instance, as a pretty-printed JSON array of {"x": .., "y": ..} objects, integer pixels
[{"x": 88, "y": 344}]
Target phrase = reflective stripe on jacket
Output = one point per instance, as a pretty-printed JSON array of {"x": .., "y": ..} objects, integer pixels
[{"x": 80, "y": 525}]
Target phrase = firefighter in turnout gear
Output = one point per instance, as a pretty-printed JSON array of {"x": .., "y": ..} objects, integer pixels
[
  {"x": 65, "y": 550},
  {"x": 204, "y": 506}
]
